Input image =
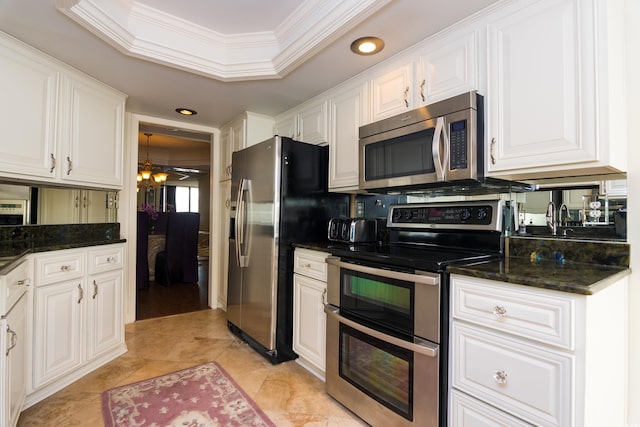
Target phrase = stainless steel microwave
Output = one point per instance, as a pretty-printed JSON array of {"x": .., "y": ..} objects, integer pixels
[{"x": 437, "y": 144}]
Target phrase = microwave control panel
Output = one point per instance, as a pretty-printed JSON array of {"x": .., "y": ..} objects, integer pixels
[{"x": 458, "y": 145}]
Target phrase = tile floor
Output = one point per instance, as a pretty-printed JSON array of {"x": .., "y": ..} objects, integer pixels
[{"x": 288, "y": 394}]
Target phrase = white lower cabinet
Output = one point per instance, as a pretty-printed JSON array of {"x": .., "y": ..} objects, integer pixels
[
  {"x": 469, "y": 412},
  {"x": 78, "y": 322},
  {"x": 58, "y": 310},
  {"x": 13, "y": 369},
  {"x": 309, "y": 319},
  {"x": 521, "y": 355}
]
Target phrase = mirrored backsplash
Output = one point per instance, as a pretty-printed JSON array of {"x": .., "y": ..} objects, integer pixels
[{"x": 42, "y": 205}]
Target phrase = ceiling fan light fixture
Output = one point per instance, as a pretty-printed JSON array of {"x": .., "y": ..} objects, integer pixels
[
  {"x": 367, "y": 45},
  {"x": 186, "y": 111}
]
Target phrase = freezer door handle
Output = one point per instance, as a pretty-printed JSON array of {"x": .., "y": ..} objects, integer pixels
[{"x": 241, "y": 223}]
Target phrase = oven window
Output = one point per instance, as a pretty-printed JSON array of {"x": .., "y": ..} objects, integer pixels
[
  {"x": 383, "y": 301},
  {"x": 402, "y": 156},
  {"x": 381, "y": 370}
]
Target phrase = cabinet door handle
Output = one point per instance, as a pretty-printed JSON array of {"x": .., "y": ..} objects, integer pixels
[
  {"x": 500, "y": 377},
  {"x": 227, "y": 203},
  {"x": 406, "y": 96},
  {"x": 422, "y": 89},
  {"x": 13, "y": 340},
  {"x": 499, "y": 311},
  {"x": 95, "y": 290},
  {"x": 80, "y": 293},
  {"x": 52, "y": 163},
  {"x": 69, "y": 165},
  {"x": 492, "y": 151},
  {"x": 324, "y": 296},
  {"x": 77, "y": 199}
]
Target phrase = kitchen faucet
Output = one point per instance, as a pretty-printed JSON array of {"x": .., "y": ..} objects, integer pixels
[{"x": 551, "y": 218}]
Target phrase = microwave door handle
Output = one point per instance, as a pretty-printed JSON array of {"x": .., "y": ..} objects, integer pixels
[
  {"x": 445, "y": 147},
  {"x": 435, "y": 150}
]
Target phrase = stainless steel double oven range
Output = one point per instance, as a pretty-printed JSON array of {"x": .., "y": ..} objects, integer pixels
[{"x": 387, "y": 310}]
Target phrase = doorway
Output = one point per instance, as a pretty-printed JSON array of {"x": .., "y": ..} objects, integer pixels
[{"x": 175, "y": 149}]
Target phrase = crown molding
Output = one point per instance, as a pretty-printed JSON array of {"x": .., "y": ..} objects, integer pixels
[{"x": 143, "y": 32}]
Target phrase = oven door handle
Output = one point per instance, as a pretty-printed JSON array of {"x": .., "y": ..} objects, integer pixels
[
  {"x": 423, "y": 347},
  {"x": 418, "y": 277}
]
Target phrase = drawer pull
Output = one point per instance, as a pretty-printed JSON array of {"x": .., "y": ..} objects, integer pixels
[
  {"x": 21, "y": 282},
  {"x": 499, "y": 312},
  {"x": 65, "y": 267},
  {"x": 500, "y": 377},
  {"x": 111, "y": 259},
  {"x": 307, "y": 266}
]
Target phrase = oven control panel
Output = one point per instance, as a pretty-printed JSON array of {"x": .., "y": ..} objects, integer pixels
[{"x": 484, "y": 215}]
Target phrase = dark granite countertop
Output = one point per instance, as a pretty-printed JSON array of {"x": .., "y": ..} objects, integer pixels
[
  {"x": 564, "y": 265},
  {"x": 17, "y": 242},
  {"x": 577, "y": 278}
]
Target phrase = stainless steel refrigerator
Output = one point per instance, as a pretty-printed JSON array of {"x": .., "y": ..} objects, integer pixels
[{"x": 279, "y": 192}]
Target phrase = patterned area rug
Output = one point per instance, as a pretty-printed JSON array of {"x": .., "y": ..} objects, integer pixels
[{"x": 200, "y": 396}]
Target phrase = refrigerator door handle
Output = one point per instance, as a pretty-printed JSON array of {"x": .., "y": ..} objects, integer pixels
[
  {"x": 237, "y": 223},
  {"x": 240, "y": 223}
]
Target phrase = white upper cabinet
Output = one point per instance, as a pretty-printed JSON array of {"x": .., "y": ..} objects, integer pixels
[
  {"x": 306, "y": 123},
  {"x": 392, "y": 92},
  {"x": 92, "y": 125},
  {"x": 243, "y": 131},
  {"x": 347, "y": 112},
  {"x": 447, "y": 67},
  {"x": 225, "y": 153},
  {"x": 312, "y": 122},
  {"x": 437, "y": 69},
  {"x": 60, "y": 126},
  {"x": 29, "y": 87},
  {"x": 555, "y": 104}
]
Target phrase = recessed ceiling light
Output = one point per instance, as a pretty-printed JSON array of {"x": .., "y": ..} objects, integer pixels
[
  {"x": 186, "y": 111},
  {"x": 367, "y": 46}
]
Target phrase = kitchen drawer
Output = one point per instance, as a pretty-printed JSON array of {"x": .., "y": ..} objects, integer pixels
[
  {"x": 106, "y": 258},
  {"x": 311, "y": 263},
  {"x": 14, "y": 284},
  {"x": 469, "y": 412},
  {"x": 59, "y": 266},
  {"x": 528, "y": 381},
  {"x": 544, "y": 316}
]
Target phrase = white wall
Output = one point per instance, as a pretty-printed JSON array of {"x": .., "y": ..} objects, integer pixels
[{"x": 633, "y": 228}]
